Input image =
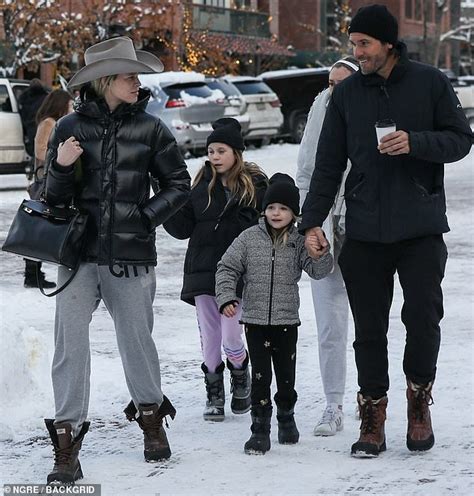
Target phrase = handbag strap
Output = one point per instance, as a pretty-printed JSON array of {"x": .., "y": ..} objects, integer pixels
[
  {"x": 66, "y": 284},
  {"x": 55, "y": 292}
]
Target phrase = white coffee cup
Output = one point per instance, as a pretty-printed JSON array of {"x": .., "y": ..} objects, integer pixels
[{"x": 384, "y": 127}]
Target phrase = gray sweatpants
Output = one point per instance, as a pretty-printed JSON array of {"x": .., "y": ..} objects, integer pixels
[
  {"x": 331, "y": 309},
  {"x": 129, "y": 301}
]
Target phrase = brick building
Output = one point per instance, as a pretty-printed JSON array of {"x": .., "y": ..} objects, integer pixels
[
  {"x": 410, "y": 15},
  {"x": 257, "y": 33}
]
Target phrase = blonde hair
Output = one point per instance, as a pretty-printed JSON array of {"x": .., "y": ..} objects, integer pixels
[
  {"x": 239, "y": 180},
  {"x": 280, "y": 236},
  {"x": 100, "y": 85}
]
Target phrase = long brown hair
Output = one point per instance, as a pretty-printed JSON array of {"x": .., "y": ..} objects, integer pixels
[
  {"x": 55, "y": 105},
  {"x": 239, "y": 180}
]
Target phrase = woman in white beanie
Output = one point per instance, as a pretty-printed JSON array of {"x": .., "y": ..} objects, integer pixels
[{"x": 330, "y": 302}]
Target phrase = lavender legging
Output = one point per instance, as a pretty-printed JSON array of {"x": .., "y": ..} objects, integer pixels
[{"x": 218, "y": 331}]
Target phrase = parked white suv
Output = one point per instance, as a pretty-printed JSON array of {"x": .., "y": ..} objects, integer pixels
[
  {"x": 263, "y": 107},
  {"x": 13, "y": 156}
]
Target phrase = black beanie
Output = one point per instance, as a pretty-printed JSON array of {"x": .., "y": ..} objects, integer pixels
[
  {"x": 282, "y": 189},
  {"x": 376, "y": 21},
  {"x": 228, "y": 131}
]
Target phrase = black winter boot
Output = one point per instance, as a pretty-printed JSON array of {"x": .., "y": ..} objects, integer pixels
[
  {"x": 150, "y": 420},
  {"x": 287, "y": 430},
  {"x": 31, "y": 278},
  {"x": 67, "y": 468},
  {"x": 214, "y": 381},
  {"x": 259, "y": 442},
  {"x": 240, "y": 387}
]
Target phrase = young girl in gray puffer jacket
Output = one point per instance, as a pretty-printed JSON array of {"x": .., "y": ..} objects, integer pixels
[{"x": 270, "y": 258}]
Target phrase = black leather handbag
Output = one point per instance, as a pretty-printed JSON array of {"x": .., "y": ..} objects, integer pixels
[{"x": 48, "y": 234}]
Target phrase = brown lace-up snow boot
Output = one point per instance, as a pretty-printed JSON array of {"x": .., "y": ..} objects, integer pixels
[
  {"x": 67, "y": 468},
  {"x": 372, "y": 428},
  {"x": 150, "y": 420},
  {"x": 420, "y": 435}
]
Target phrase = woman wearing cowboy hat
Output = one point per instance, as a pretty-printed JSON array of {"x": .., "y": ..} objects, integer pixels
[{"x": 102, "y": 157}]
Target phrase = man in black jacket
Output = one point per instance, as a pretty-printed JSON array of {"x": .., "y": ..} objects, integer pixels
[{"x": 395, "y": 213}]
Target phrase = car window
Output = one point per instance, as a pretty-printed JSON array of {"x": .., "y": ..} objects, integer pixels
[
  {"x": 227, "y": 88},
  {"x": 252, "y": 87},
  {"x": 18, "y": 89},
  {"x": 5, "y": 103}
]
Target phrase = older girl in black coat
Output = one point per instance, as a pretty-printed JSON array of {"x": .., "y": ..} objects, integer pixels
[{"x": 226, "y": 199}]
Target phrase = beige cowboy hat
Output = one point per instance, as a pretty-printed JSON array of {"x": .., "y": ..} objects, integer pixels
[{"x": 115, "y": 56}]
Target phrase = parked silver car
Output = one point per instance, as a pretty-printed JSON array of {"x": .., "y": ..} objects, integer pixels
[
  {"x": 263, "y": 107},
  {"x": 13, "y": 156},
  {"x": 186, "y": 104},
  {"x": 235, "y": 105}
]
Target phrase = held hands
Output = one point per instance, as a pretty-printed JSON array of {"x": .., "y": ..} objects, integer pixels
[
  {"x": 230, "y": 310},
  {"x": 316, "y": 242},
  {"x": 396, "y": 143},
  {"x": 68, "y": 152}
]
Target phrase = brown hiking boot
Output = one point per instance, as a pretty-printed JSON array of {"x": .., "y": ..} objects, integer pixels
[
  {"x": 420, "y": 435},
  {"x": 67, "y": 468},
  {"x": 150, "y": 420},
  {"x": 372, "y": 431}
]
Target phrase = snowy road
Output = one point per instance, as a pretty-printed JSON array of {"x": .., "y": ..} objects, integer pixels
[{"x": 208, "y": 458}]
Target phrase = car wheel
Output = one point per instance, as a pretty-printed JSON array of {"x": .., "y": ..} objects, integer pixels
[{"x": 297, "y": 131}]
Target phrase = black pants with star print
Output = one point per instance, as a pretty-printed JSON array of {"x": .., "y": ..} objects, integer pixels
[{"x": 275, "y": 344}]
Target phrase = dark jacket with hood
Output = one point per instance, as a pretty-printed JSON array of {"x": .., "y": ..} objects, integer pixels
[
  {"x": 389, "y": 198},
  {"x": 123, "y": 151},
  {"x": 211, "y": 231},
  {"x": 29, "y": 103}
]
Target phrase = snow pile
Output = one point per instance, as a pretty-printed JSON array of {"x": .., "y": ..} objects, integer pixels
[
  {"x": 190, "y": 100},
  {"x": 25, "y": 371}
]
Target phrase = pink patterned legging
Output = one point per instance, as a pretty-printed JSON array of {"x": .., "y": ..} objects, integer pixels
[{"x": 217, "y": 332}]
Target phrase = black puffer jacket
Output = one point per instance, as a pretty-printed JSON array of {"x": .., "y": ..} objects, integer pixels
[
  {"x": 211, "y": 231},
  {"x": 111, "y": 180},
  {"x": 389, "y": 198}
]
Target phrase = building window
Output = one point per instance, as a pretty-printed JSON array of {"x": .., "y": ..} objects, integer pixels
[
  {"x": 408, "y": 9},
  {"x": 418, "y": 10},
  {"x": 214, "y": 3},
  {"x": 429, "y": 11},
  {"x": 242, "y": 4}
]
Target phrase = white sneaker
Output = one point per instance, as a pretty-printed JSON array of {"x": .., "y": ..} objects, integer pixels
[{"x": 331, "y": 422}]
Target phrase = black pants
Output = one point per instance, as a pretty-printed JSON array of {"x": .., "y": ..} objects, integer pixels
[
  {"x": 277, "y": 344},
  {"x": 30, "y": 269},
  {"x": 368, "y": 270}
]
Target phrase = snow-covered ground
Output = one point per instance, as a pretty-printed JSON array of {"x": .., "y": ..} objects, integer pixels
[{"x": 208, "y": 458}]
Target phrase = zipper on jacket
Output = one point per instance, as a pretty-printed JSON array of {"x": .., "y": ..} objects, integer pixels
[
  {"x": 102, "y": 174},
  {"x": 229, "y": 201},
  {"x": 271, "y": 286},
  {"x": 112, "y": 194},
  {"x": 383, "y": 186}
]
